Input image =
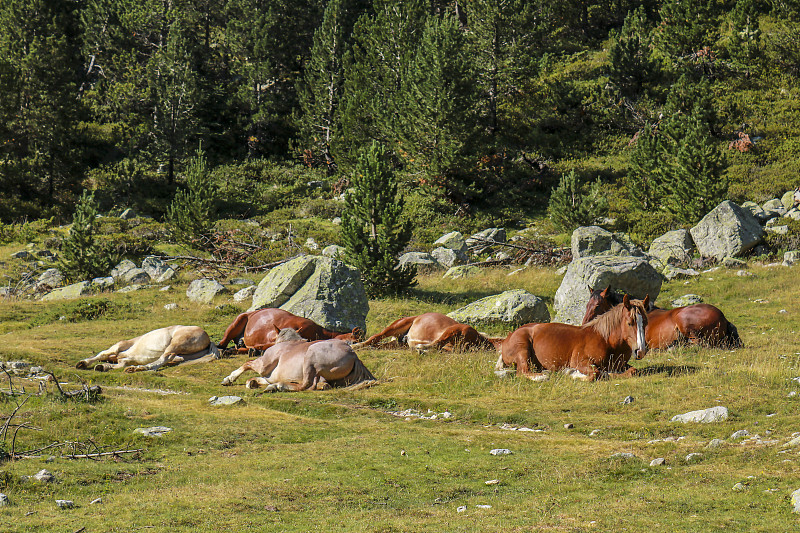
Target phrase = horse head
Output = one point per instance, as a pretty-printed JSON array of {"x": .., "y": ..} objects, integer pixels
[
  {"x": 287, "y": 335},
  {"x": 357, "y": 335},
  {"x": 600, "y": 301},
  {"x": 636, "y": 314}
]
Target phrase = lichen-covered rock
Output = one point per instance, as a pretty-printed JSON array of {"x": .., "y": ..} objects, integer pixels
[
  {"x": 686, "y": 300},
  {"x": 674, "y": 247},
  {"x": 324, "y": 290},
  {"x": 334, "y": 251},
  {"x": 135, "y": 276},
  {"x": 225, "y": 400},
  {"x": 774, "y": 208},
  {"x": 756, "y": 210},
  {"x": 633, "y": 275},
  {"x": 732, "y": 262},
  {"x": 76, "y": 290},
  {"x": 447, "y": 257},
  {"x": 100, "y": 284},
  {"x": 510, "y": 308},
  {"x": 422, "y": 260},
  {"x": 588, "y": 241},
  {"x": 52, "y": 278},
  {"x": 158, "y": 269},
  {"x": 670, "y": 272},
  {"x": 125, "y": 265},
  {"x": 791, "y": 257},
  {"x": 703, "y": 416},
  {"x": 728, "y": 230},
  {"x": 244, "y": 294},
  {"x": 479, "y": 240},
  {"x": 204, "y": 290},
  {"x": 155, "y": 431},
  {"x": 796, "y": 501},
  {"x": 462, "y": 271},
  {"x": 453, "y": 240}
]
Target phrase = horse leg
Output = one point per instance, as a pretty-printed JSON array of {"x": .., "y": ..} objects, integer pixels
[
  {"x": 229, "y": 379},
  {"x": 398, "y": 329},
  {"x": 254, "y": 383},
  {"x": 235, "y": 330},
  {"x": 521, "y": 362},
  {"x": 585, "y": 371}
]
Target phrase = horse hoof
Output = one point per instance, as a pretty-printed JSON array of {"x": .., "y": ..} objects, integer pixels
[
  {"x": 81, "y": 365},
  {"x": 251, "y": 384},
  {"x": 100, "y": 368},
  {"x": 131, "y": 369}
]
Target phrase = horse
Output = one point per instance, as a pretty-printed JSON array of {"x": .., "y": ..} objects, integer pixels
[
  {"x": 599, "y": 348},
  {"x": 295, "y": 364},
  {"x": 258, "y": 329},
  {"x": 432, "y": 330},
  {"x": 697, "y": 324},
  {"x": 165, "y": 346}
]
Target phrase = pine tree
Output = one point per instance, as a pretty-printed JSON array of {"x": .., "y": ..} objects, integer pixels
[
  {"x": 631, "y": 66},
  {"x": 372, "y": 227},
  {"x": 573, "y": 205},
  {"x": 192, "y": 212},
  {"x": 81, "y": 257},
  {"x": 645, "y": 181}
]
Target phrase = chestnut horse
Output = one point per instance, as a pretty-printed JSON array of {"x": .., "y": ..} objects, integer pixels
[
  {"x": 258, "y": 329},
  {"x": 600, "y": 347},
  {"x": 295, "y": 364},
  {"x": 696, "y": 324},
  {"x": 432, "y": 330},
  {"x": 154, "y": 349}
]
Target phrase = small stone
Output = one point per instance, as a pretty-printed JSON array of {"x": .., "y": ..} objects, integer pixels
[
  {"x": 156, "y": 431},
  {"x": 739, "y": 487},
  {"x": 96, "y": 501},
  {"x": 492, "y": 482},
  {"x": 244, "y": 294},
  {"x": 461, "y": 509},
  {"x": 627, "y": 400},
  {"x": 166, "y": 288},
  {"x": 568, "y": 426},
  {"x": 743, "y": 273},
  {"x": 505, "y": 373},
  {"x": 713, "y": 414},
  {"x": 715, "y": 443},
  {"x": 447, "y": 414},
  {"x": 793, "y": 393},
  {"x": 224, "y": 400},
  {"x": 171, "y": 307},
  {"x": 65, "y": 504},
  {"x": 501, "y": 451},
  {"x": 483, "y": 506},
  {"x": 623, "y": 455},
  {"x": 594, "y": 432},
  {"x": 693, "y": 457},
  {"x": 43, "y": 476},
  {"x": 659, "y": 461},
  {"x": 271, "y": 508},
  {"x": 796, "y": 501},
  {"x": 4, "y": 501},
  {"x": 742, "y": 433},
  {"x": 783, "y": 311}
]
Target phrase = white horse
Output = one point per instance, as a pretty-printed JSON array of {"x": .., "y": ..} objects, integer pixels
[
  {"x": 151, "y": 351},
  {"x": 294, "y": 364}
]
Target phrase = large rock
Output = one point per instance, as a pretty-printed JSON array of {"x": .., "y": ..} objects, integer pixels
[
  {"x": 756, "y": 210},
  {"x": 52, "y": 278},
  {"x": 673, "y": 247},
  {"x": 511, "y": 308},
  {"x": 774, "y": 208},
  {"x": 124, "y": 266},
  {"x": 453, "y": 240},
  {"x": 447, "y": 257},
  {"x": 157, "y": 269},
  {"x": 479, "y": 240},
  {"x": 588, "y": 241},
  {"x": 633, "y": 275},
  {"x": 244, "y": 294},
  {"x": 703, "y": 416},
  {"x": 76, "y": 290},
  {"x": 788, "y": 200},
  {"x": 422, "y": 260},
  {"x": 728, "y": 230},
  {"x": 135, "y": 276},
  {"x": 324, "y": 290},
  {"x": 204, "y": 290}
]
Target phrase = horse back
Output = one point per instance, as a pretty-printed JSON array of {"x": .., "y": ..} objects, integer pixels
[{"x": 429, "y": 326}]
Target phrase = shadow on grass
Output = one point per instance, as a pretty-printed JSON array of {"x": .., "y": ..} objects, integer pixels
[{"x": 669, "y": 370}]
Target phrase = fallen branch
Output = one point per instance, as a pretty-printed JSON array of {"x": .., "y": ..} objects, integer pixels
[{"x": 100, "y": 454}]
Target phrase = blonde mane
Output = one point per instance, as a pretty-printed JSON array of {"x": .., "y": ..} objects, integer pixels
[{"x": 608, "y": 322}]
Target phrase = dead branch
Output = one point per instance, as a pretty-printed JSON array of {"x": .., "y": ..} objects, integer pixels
[
  {"x": 100, "y": 454},
  {"x": 4, "y": 431}
]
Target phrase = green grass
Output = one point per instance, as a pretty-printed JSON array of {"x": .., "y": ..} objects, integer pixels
[{"x": 338, "y": 461}]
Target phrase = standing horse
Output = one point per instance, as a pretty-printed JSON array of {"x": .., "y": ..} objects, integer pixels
[
  {"x": 154, "y": 349},
  {"x": 602, "y": 346},
  {"x": 432, "y": 330},
  {"x": 696, "y": 324},
  {"x": 294, "y": 364},
  {"x": 258, "y": 329}
]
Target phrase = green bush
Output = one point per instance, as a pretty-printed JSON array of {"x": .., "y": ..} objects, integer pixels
[
  {"x": 573, "y": 204},
  {"x": 783, "y": 243},
  {"x": 82, "y": 256}
]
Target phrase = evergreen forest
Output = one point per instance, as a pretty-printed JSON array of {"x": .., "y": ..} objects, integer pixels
[{"x": 651, "y": 111}]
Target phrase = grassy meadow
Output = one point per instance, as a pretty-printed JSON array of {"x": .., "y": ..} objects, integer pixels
[{"x": 340, "y": 461}]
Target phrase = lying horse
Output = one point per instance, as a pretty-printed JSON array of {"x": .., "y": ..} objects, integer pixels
[
  {"x": 294, "y": 364},
  {"x": 257, "y": 329},
  {"x": 602, "y": 346},
  {"x": 151, "y": 351},
  {"x": 697, "y": 324},
  {"x": 432, "y": 330}
]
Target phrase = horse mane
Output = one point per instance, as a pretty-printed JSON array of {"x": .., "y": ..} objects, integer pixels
[{"x": 608, "y": 322}]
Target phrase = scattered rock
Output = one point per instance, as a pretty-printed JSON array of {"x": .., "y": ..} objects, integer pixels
[
  {"x": 171, "y": 307},
  {"x": 777, "y": 230},
  {"x": 505, "y": 373},
  {"x": 659, "y": 461},
  {"x": 462, "y": 271},
  {"x": 632, "y": 275},
  {"x": 791, "y": 257},
  {"x": 774, "y": 208},
  {"x": 65, "y": 504},
  {"x": 483, "y": 506},
  {"x": 4, "y": 501},
  {"x": 204, "y": 290},
  {"x": 96, "y": 501},
  {"x": 43, "y": 476},
  {"x": 627, "y": 400},
  {"x": 739, "y": 487},
  {"x": 742, "y": 433},
  {"x": 76, "y": 290},
  {"x": 743, "y": 273},
  {"x": 727, "y": 231},
  {"x": 334, "y": 251},
  {"x": 135, "y": 276},
  {"x": 501, "y": 451},
  {"x": 157, "y": 269},
  {"x": 686, "y": 300},
  {"x": 478, "y": 240},
  {"x": 128, "y": 214},
  {"x": 461, "y": 508},
  {"x": 311, "y": 244},
  {"x": 225, "y": 400},
  {"x": 756, "y": 210},
  {"x": 730, "y": 262},
  {"x": 796, "y": 501},
  {"x": 22, "y": 254},
  {"x": 514, "y": 307},
  {"x": 673, "y": 247},
  {"x": 424, "y": 261},
  {"x": 594, "y": 432},
  {"x": 453, "y": 240},
  {"x": 130, "y": 288},
  {"x": 622, "y": 455},
  {"x": 124, "y": 266},
  {"x": 492, "y": 482},
  {"x": 713, "y": 414},
  {"x": 52, "y": 277},
  {"x": 588, "y": 241},
  {"x": 336, "y": 221},
  {"x": 568, "y": 426},
  {"x": 165, "y": 288},
  {"x": 670, "y": 272},
  {"x": 447, "y": 257},
  {"x": 244, "y": 294},
  {"x": 156, "y": 431},
  {"x": 693, "y": 457},
  {"x": 100, "y": 284}
]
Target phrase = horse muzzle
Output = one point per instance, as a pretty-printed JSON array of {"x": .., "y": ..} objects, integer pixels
[{"x": 641, "y": 352}]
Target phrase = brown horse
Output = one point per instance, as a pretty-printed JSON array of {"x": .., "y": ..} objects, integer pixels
[
  {"x": 696, "y": 324},
  {"x": 432, "y": 330},
  {"x": 600, "y": 347},
  {"x": 294, "y": 364},
  {"x": 258, "y": 329}
]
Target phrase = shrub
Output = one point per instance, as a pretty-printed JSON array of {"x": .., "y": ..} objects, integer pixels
[
  {"x": 192, "y": 211},
  {"x": 573, "y": 205},
  {"x": 82, "y": 257}
]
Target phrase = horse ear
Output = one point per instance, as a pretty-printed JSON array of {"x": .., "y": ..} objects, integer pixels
[
  {"x": 277, "y": 329},
  {"x": 626, "y": 302},
  {"x": 646, "y": 302},
  {"x": 604, "y": 294},
  {"x": 590, "y": 290}
]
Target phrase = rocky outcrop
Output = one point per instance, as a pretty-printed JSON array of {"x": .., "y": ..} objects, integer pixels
[
  {"x": 674, "y": 247},
  {"x": 453, "y": 240},
  {"x": 510, "y": 308},
  {"x": 422, "y": 260},
  {"x": 632, "y": 275},
  {"x": 728, "y": 230},
  {"x": 589, "y": 241},
  {"x": 324, "y": 290},
  {"x": 76, "y": 290}
]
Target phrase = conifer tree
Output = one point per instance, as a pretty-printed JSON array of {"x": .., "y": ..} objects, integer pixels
[
  {"x": 81, "y": 257},
  {"x": 192, "y": 211},
  {"x": 630, "y": 63},
  {"x": 645, "y": 170},
  {"x": 573, "y": 205},
  {"x": 373, "y": 230}
]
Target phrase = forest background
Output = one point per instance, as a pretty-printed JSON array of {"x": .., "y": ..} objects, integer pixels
[{"x": 653, "y": 111}]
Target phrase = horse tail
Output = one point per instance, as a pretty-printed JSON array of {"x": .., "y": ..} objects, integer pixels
[
  {"x": 235, "y": 331},
  {"x": 732, "y": 336},
  {"x": 209, "y": 354},
  {"x": 359, "y": 375}
]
